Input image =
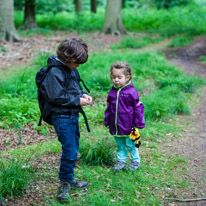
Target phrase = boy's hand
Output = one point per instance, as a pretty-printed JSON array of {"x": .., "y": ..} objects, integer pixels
[
  {"x": 84, "y": 101},
  {"x": 89, "y": 98}
]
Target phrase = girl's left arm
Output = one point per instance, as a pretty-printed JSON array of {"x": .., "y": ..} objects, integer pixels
[{"x": 139, "y": 121}]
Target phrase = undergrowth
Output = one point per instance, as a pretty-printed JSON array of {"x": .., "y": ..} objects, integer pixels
[
  {"x": 14, "y": 177},
  {"x": 188, "y": 20}
]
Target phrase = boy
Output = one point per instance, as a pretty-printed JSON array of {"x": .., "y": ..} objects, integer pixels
[{"x": 63, "y": 91}]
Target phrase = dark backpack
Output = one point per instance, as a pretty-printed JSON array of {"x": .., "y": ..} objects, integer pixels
[{"x": 44, "y": 106}]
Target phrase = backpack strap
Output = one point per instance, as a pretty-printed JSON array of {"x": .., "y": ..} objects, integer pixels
[
  {"x": 80, "y": 80},
  {"x": 81, "y": 110},
  {"x": 85, "y": 119},
  {"x": 84, "y": 85},
  {"x": 39, "y": 124}
]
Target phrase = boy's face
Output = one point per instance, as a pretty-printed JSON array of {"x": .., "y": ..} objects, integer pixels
[{"x": 72, "y": 66}]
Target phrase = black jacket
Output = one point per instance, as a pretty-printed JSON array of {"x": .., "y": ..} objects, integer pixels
[{"x": 62, "y": 87}]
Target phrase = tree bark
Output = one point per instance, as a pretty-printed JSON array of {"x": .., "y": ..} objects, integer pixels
[
  {"x": 113, "y": 19},
  {"x": 123, "y": 3},
  {"x": 7, "y": 28},
  {"x": 93, "y": 6},
  {"x": 78, "y": 6},
  {"x": 29, "y": 15}
]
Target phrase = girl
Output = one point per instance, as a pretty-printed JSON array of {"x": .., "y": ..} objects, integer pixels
[{"x": 124, "y": 111}]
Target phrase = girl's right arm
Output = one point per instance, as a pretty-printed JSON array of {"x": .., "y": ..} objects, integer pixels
[{"x": 107, "y": 114}]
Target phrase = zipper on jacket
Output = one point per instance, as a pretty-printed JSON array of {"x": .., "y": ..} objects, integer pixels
[{"x": 117, "y": 110}]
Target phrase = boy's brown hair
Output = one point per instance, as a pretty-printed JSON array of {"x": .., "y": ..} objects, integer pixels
[
  {"x": 122, "y": 65},
  {"x": 73, "y": 50}
]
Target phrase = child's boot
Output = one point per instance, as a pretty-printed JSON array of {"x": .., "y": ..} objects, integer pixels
[
  {"x": 134, "y": 165},
  {"x": 121, "y": 165},
  {"x": 64, "y": 191},
  {"x": 78, "y": 184}
]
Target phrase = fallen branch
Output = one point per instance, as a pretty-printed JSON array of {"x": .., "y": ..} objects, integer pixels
[{"x": 184, "y": 200}]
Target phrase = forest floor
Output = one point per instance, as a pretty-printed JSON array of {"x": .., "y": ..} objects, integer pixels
[{"x": 192, "y": 142}]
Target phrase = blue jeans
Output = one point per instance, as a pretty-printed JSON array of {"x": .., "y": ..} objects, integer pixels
[
  {"x": 67, "y": 129},
  {"x": 123, "y": 144}
]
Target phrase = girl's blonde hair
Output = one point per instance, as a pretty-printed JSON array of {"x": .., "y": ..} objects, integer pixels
[{"x": 122, "y": 65}]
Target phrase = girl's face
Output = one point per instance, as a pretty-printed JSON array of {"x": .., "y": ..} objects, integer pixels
[{"x": 119, "y": 78}]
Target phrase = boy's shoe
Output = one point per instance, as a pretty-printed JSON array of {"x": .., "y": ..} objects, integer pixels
[
  {"x": 121, "y": 165},
  {"x": 78, "y": 184},
  {"x": 64, "y": 191},
  {"x": 134, "y": 165}
]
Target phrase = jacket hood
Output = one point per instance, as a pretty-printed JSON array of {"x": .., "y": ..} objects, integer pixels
[{"x": 54, "y": 61}]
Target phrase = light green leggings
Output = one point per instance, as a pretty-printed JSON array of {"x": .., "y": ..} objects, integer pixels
[{"x": 125, "y": 144}]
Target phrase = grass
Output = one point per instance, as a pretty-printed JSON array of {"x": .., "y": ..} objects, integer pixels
[
  {"x": 14, "y": 177},
  {"x": 20, "y": 89},
  {"x": 181, "y": 41},
  {"x": 148, "y": 186},
  {"x": 203, "y": 59},
  {"x": 134, "y": 43}
]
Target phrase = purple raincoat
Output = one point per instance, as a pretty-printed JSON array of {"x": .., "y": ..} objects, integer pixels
[{"x": 124, "y": 110}]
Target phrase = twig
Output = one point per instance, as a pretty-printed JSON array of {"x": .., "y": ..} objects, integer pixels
[{"x": 185, "y": 200}]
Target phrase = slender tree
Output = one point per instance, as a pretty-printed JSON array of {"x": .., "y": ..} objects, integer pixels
[
  {"x": 78, "y": 5},
  {"x": 7, "y": 28},
  {"x": 113, "y": 18},
  {"x": 123, "y": 3},
  {"x": 29, "y": 14},
  {"x": 93, "y": 6}
]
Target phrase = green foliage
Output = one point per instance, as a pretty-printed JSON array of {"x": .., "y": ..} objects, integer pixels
[
  {"x": 94, "y": 113},
  {"x": 184, "y": 82},
  {"x": 164, "y": 103},
  {"x": 99, "y": 152},
  {"x": 21, "y": 92},
  {"x": 150, "y": 72},
  {"x": 19, "y": 112},
  {"x": 14, "y": 177},
  {"x": 3, "y": 48},
  {"x": 83, "y": 22},
  {"x": 179, "y": 41},
  {"x": 203, "y": 59},
  {"x": 130, "y": 42},
  {"x": 20, "y": 83},
  {"x": 42, "y": 6},
  {"x": 170, "y": 3},
  {"x": 188, "y": 20}
]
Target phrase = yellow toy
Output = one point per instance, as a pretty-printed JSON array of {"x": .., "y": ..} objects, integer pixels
[{"x": 135, "y": 136}]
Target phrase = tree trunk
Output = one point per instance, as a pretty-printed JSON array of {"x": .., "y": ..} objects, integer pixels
[
  {"x": 7, "y": 28},
  {"x": 123, "y": 3},
  {"x": 29, "y": 15},
  {"x": 93, "y": 6},
  {"x": 78, "y": 6},
  {"x": 113, "y": 19}
]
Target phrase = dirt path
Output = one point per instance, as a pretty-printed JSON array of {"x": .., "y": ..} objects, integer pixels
[{"x": 192, "y": 143}]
